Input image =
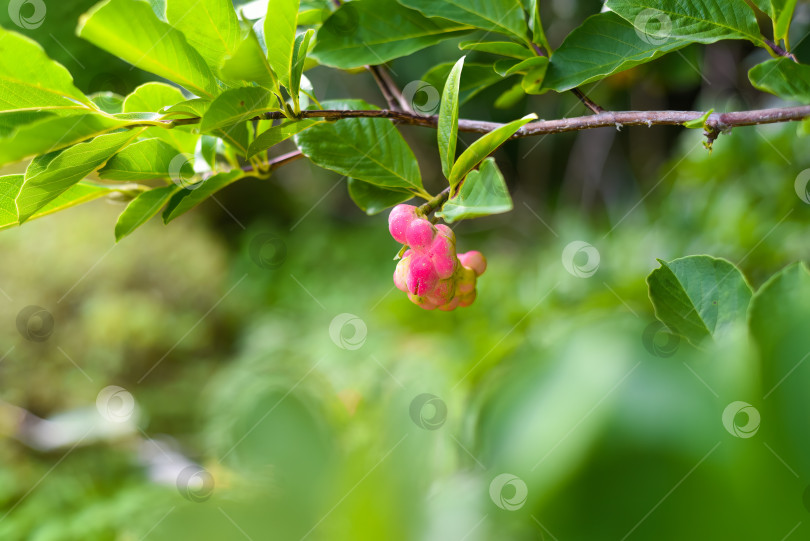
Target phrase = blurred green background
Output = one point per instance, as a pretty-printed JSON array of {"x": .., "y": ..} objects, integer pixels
[{"x": 272, "y": 384}]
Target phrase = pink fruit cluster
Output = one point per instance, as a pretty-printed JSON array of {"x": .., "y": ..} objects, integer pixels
[{"x": 430, "y": 272}]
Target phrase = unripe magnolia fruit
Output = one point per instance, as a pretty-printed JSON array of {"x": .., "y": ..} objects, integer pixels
[
  {"x": 420, "y": 234},
  {"x": 422, "y": 277},
  {"x": 430, "y": 272},
  {"x": 475, "y": 261},
  {"x": 398, "y": 221}
]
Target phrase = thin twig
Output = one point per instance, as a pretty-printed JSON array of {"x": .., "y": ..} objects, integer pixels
[
  {"x": 590, "y": 104},
  {"x": 778, "y": 50},
  {"x": 384, "y": 89},
  {"x": 436, "y": 202}
]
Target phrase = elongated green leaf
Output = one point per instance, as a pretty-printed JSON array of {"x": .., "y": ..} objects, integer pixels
[
  {"x": 130, "y": 30},
  {"x": 447, "y": 133},
  {"x": 524, "y": 66},
  {"x": 277, "y": 134},
  {"x": 603, "y": 45},
  {"x": 29, "y": 80},
  {"x": 54, "y": 133},
  {"x": 297, "y": 71},
  {"x": 155, "y": 97},
  {"x": 700, "y": 21},
  {"x": 75, "y": 195},
  {"x": 185, "y": 200},
  {"x": 375, "y": 31},
  {"x": 699, "y": 297},
  {"x": 368, "y": 149},
  {"x": 141, "y": 209},
  {"x": 210, "y": 26},
  {"x": 503, "y": 48},
  {"x": 373, "y": 199},
  {"x": 483, "y": 147},
  {"x": 249, "y": 63},
  {"x": 144, "y": 160},
  {"x": 777, "y": 321},
  {"x": 237, "y": 105},
  {"x": 782, "y": 14},
  {"x": 477, "y": 77},
  {"x": 536, "y": 24},
  {"x": 783, "y": 77},
  {"x": 504, "y": 16},
  {"x": 279, "y": 35},
  {"x": 482, "y": 193},
  {"x": 50, "y": 175}
]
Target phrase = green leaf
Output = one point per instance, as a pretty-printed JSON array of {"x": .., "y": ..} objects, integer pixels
[
  {"x": 187, "y": 199},
  {"x": 503, "y": 48},
  {"x": 155, "y": 97},
  {"x": 698, "y": 123},
  {"x": 701, "y": 21},
  {"x": 777, "y": 320},
  {"x": 299, "y": 57},
  {"x": 482, "y": 193},
  {"x": 699, "y": 297},
  {"x": 237, "y": 105},
  {"x": 188, "y": 108},
  {"x": 10, "y": 187},
  {"x": 603, "y": 45},
  {"x": 130, "y": 30},
  {"x": 144, "y": 160},
  {"x": 483, "y": 147},
  {"x": 141, "y": 209},
  {"x": 538, "y": 33},
  {"x": 783, "y": 77},
  {"x": 447, "y": 134},
  {"x": 510, "y": 97},
  {"x": 210, "y": 26},
  {"x": 358, "y": 34},
  {"x": 477, "y": 77},
  {"x": 249, "y": 63},
  {"x": 532, "y": 82},
  {"x": 109, "y": 102},
  {"x": 29, "y": 80},
  {"x": 50, "y": 175},
  {"x": 277, "y": 134},
  {"x": 782, "y": 14},
  {"x": 528, "y": 65},
  {"x": 504, "y": 16},
  {"x": 54, "y": 133},
  {"x": 279, "y": 35},
  {"x": 373, "y": 199},
  {"x": 368, "y": 149}
]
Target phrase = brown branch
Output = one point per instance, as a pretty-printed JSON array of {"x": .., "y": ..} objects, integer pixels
[
  {"x": 715, "y": 124},
  {"x": 284, "y": 159},
  {"x": 718, "y": 121}
]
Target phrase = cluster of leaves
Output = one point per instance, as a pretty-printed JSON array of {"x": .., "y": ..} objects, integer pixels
[{"x": 171, "y": 146}]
